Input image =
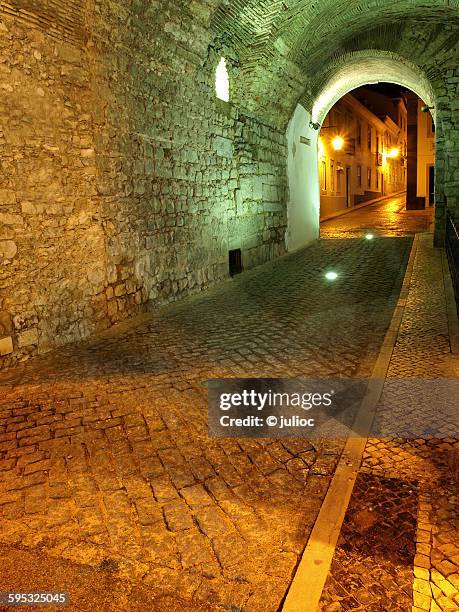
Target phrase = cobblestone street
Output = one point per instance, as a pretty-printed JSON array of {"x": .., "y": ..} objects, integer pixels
[
  {"x": 387, "y": 218},
  {"x": 105, "y": 460}
]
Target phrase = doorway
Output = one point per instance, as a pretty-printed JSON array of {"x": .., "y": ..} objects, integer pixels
[
  {"x": 431, "y": 185},
  {"x": 348, "y": 187}
]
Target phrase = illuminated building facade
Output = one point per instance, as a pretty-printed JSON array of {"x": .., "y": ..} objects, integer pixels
[{"x": 362, "y": 156}]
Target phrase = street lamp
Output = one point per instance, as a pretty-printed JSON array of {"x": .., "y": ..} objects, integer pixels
[
  {"x": 394, "y": 153},
  {"x": 338, "y": 143}
]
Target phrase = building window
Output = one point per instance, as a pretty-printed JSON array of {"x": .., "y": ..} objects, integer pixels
[
  {"x": 323, "y": 175},
  {"x": 377, "y": 180},
  {"x": 369, "y": 137},
  {"x": 338, "y": 181},
  {"x": 359, "y": 133},
  {"x": 369, "y": 178},
  {"x": 377, "y": 144},
  {"x": 222, "y": 85},
  {"x": 332, "y": 174},
  {"x": 359, "y": 176}
]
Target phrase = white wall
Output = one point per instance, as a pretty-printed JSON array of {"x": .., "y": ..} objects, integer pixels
[
  {"x": 303, "y": 207},
  {"x": 371, "y": 66},
  {"x": 426, "y": 153},
  {"x": 360, "y": 68}
]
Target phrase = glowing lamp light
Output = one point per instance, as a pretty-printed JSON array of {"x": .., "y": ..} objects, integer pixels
[
  {"x": 331, "y": 276},
  {"x": 369, "y": 236},
  {"x": 393, "y": 153},
  {"x": 338, "y": 143},
  {"x": 222, "y": 85}
]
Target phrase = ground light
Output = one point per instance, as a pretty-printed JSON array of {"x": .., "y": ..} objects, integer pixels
[
  {"x": 369, "y": 236},
  {"x": 331, "y": 276}
]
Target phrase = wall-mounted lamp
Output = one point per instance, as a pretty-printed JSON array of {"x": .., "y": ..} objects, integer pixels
[
  {"x": 338, "y": 143},
  {"x": 426, "y": 109},
  {"x": 314, "y": 126}
]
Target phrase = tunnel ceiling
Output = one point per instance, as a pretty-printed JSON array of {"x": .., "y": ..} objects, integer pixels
[
  {"x": 296, "y": 40},
  {"x": 306, "y": 31}
]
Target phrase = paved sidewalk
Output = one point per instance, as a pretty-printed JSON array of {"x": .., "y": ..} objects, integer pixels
[{"x": 398, "y": 547}]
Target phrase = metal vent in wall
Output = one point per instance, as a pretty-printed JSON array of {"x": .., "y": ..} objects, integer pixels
[{"x": 235, "y": 262}]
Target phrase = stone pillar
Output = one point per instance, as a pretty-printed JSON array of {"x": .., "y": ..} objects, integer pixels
[{"x": 412, "y": 201}]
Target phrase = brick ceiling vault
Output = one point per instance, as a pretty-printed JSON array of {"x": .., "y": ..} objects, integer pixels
[
  {"x": 285, "y": 47},
  {"x": 362, "y": 67}
]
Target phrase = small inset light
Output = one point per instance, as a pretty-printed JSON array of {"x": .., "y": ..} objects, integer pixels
[
  {"x": 369, "y": 236},
  {"x": 331, "y": 276},
  {"x": 338, "y": 143}
]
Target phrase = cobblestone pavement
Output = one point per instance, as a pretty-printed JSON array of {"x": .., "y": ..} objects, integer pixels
[
  {"x": 105, "y": 459},
  {"x": 418, "y": 563},
  {"x": 388, "y": 218}
]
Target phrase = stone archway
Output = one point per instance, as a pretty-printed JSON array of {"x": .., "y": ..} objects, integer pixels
[{"x": 339, "y": 78}]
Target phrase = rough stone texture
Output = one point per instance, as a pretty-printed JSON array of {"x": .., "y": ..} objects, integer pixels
[{"x": 125, "y": 183}]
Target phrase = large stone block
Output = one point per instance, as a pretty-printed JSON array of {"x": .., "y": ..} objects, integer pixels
[
  {"x": 11, "y": 219},
  {"x": 6, "y": 346},
  {"x": 8, "y": 249},
  {"x": 223, "y": 147},
  {"x": 7, "y": 197},
  {"x": 6, "y": 325},
  {"x": 25, "y": 320},
  {"x": 28, "y": 338}
]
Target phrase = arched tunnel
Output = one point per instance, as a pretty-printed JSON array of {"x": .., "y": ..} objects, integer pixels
[{"x": 162, "y": 226}]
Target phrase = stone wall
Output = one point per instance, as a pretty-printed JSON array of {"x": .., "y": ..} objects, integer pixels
[
  {"x": 51, "y": 236},
  {"x": 446, "y": 167},
  {"x": 125, "y": 182}
]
